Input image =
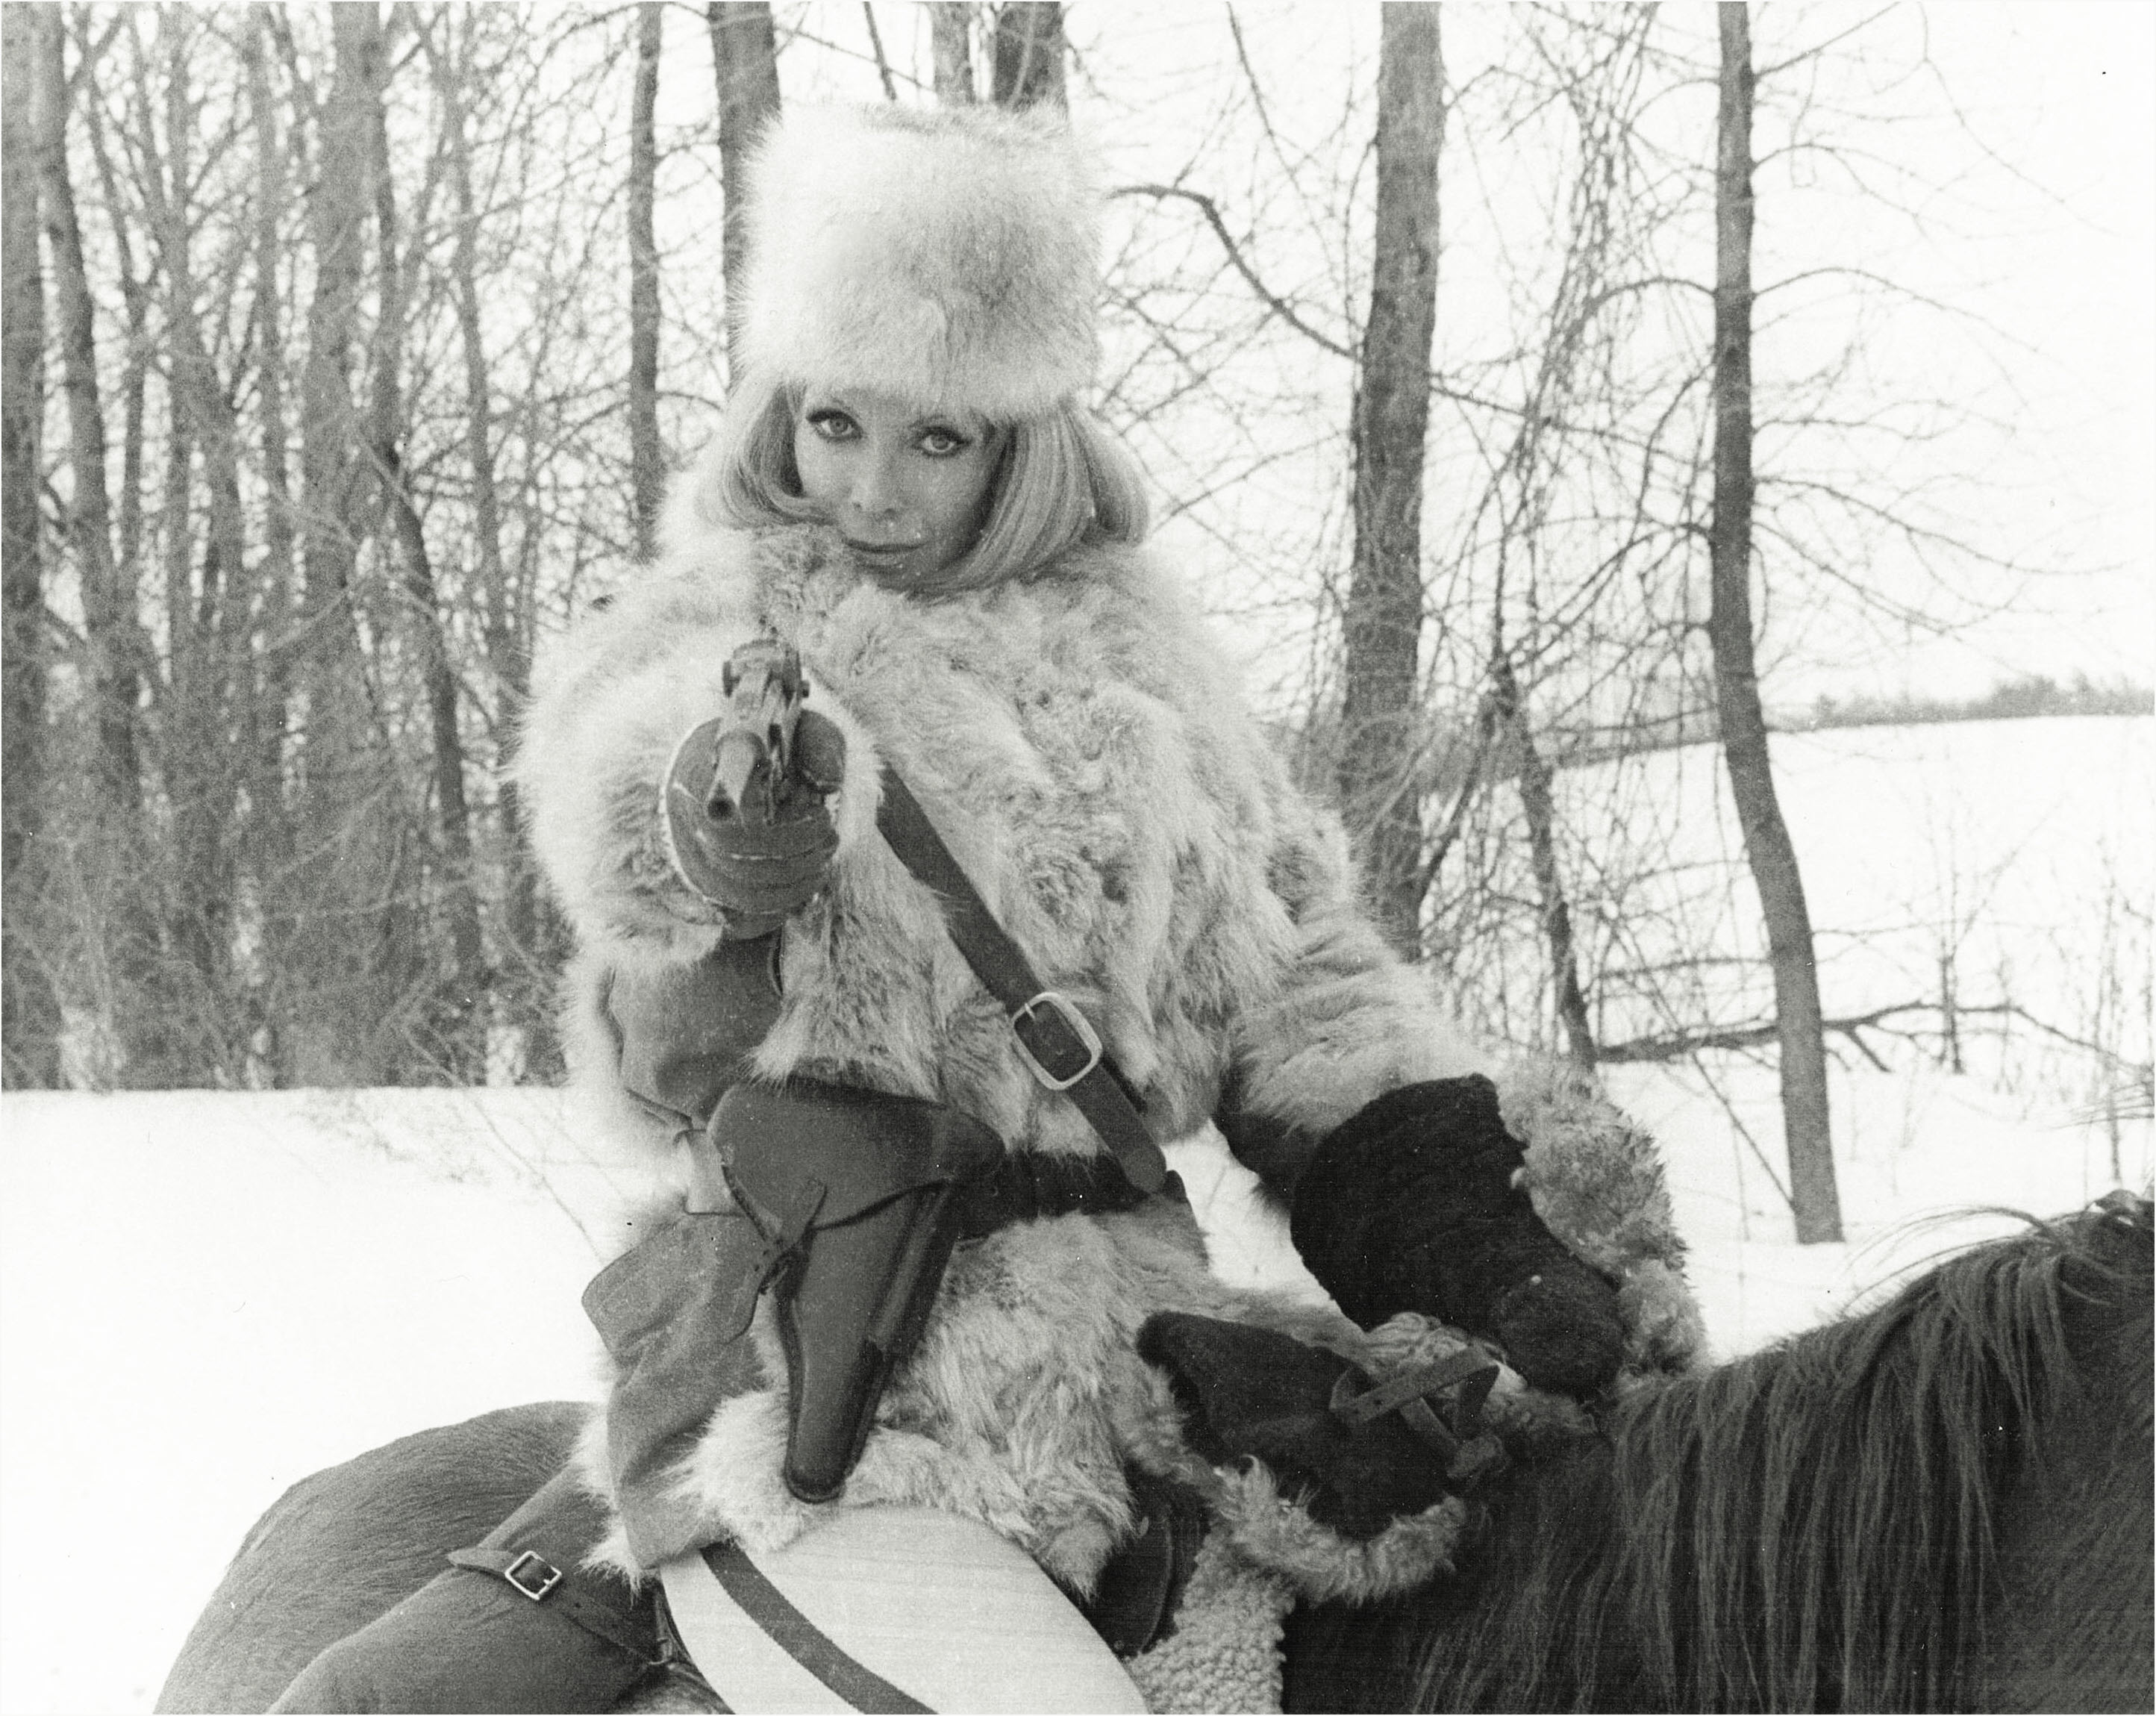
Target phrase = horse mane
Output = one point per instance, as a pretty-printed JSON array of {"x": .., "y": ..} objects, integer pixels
[{"x": 1808, "y": 1528}]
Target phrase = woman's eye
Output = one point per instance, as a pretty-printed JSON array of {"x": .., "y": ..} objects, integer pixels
[
  {"x": 833, "y": 425},
  {"x": 943, "y": 443}
]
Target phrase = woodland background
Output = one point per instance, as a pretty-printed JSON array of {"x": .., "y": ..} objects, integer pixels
[{"x": 348, "y": 348}]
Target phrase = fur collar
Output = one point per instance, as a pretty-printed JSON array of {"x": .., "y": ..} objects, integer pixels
[{"x": 1078, "y": 744}]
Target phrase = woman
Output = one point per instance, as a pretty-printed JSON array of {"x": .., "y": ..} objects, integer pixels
[{"x": 908, "y": 495}]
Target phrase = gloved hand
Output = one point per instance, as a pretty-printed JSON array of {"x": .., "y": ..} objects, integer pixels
[
  {"x": 1410, "y": 1206},
  {"x": 759, "y": 861}
]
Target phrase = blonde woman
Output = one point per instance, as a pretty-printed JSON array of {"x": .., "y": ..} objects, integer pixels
[{"x": 908, "y": 495}]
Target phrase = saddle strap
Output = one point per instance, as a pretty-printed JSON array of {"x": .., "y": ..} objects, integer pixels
[{"x": 1055, "y": 1039}]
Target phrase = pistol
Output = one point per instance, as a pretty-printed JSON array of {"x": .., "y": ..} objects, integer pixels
[{"x": 753, "y": 757}]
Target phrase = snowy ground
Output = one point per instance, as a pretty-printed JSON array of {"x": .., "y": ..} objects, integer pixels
[{"x": 205, "y": 1297}]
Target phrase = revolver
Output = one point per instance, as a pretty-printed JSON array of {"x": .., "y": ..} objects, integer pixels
[
  {"x": 753, "y": 757},
  {"x": 744, "y": 823}
]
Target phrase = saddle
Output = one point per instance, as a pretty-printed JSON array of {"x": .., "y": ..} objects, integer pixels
[
  {"x": 891, "y": 1609},
  {"x": 909, "y": 1608}
]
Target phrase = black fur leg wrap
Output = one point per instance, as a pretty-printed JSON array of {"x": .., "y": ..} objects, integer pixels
[
  {"x": 1249, "y": 1392},
  {"x": 1411, "y": 1206}
]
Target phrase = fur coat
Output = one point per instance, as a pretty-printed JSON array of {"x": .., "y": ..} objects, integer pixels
[{"x": 1082, "y": 746}]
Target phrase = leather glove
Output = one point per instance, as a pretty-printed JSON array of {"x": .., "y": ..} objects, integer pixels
[
  {"x": 760, "y": 861},
  {"x": 1411, "y": 1206}
]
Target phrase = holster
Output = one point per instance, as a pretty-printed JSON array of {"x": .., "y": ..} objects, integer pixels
[{"x": 853, "y": 1193}]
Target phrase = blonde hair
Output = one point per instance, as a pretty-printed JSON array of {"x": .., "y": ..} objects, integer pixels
[{"x": 1063, "y": 479}]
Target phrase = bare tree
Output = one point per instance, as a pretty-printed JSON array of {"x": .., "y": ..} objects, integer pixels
[
  {"x": 501, "y": 623},
  {"x": 745, "y": 51},
  {"x": 1766, "y": 842},
  {"x": 951, "y": 37},
  {"x": 1538, "y": 803},
  {"x": 29, "y": 1039},
  {"x": 268, "y": 699},
  {"x": 1027, "y": 55},
  {"x": 647, "y": 459},
  {"x": 1379, "y": 766},
  {"x": 108, "y": 621},
  {"x": 343, "y": 941},
  {"x": 456, "y": 1035}
]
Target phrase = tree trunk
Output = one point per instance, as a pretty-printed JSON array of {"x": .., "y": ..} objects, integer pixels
[
  {"x": 647, "y": 463},
  {"x": 30, "y": 1014},
  {"x": 1536, "y": 801},
  {"x": 186, "y": 1030},
  {"x": 1380, "y": 768},
  {"x": 269, "y": 845},
  {"x": 516, "y": 996},
  {"x": 329, "y": 436},
  {"x": 745, "y": 53},
  {"x": 950, "y": 39},
  {"x": 110, "y": 628},
  {"x": 335, "y": 927},
  {"x": 456, "y": 1033},
  {"x": 1026, "y": 67},
  {"x": 1767, "y": 845},
  {"x": 135, "y": 292}
]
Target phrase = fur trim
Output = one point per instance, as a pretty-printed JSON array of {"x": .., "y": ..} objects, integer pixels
[
  {"x": 1273, "y": 1530},
  {"x": 610, "y": 1554},
  {"x": 1224, "y": 1653},
  {"x": 1598, "y": 1184},
  {"x": 1663, "y": 1328},
  {"x": 949, "y": 255},
  {"x": 1356, "y": 1022}
]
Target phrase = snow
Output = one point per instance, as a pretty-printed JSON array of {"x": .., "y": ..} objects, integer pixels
[
  {"x": 206, "y": 1296},
  {"x": 203, "y": 1297}
]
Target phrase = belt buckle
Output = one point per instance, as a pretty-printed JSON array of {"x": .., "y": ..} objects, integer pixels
[
  {"x": 1061, "y": 1006},
  {"x": 545, "y": 1574}
]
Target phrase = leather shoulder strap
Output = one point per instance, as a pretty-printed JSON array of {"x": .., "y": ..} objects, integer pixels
[{"x": 1056, "y": 1040}]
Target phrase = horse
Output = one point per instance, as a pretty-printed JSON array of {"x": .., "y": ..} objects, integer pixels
[{"x": 1943, "y": 1503}]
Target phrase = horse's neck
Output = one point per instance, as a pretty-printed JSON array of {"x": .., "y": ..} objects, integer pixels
[
  {"x": 1535, "y": 1579},
  {"x": 1502, "y": 1631}
]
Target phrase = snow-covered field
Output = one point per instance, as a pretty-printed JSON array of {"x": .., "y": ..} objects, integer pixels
[{"x": 204, "y": 1296}]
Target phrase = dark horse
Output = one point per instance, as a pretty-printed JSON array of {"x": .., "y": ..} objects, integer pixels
[{"x": 1943, "y": 1504}]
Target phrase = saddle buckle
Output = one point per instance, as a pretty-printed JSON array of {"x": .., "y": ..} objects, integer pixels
[{"x": 542, "y": 1574}]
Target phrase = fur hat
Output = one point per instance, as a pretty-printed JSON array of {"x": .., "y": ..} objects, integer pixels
[{"x": 947, "y": 255}]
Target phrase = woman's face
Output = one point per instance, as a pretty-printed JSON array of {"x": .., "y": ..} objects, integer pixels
[{"x": 907, "y": 489}]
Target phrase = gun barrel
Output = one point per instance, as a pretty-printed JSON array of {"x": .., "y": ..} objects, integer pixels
[{"x": 734, "y": 771}]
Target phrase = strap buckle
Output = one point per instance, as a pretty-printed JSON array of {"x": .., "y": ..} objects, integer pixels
[
  {"x": 543, "y": 1574},
  {"x": 1043, "y": 1012}
]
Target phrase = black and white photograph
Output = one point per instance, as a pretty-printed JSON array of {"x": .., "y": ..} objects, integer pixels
[{"x": 989, "y": 855}]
